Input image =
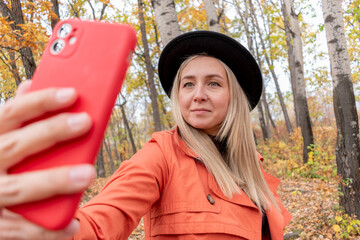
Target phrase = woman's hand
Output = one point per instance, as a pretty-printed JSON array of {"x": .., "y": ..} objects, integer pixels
[{"x": 16, "y": 143}]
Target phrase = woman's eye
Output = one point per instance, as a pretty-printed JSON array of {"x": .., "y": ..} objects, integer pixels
[
  {"x": 188, "y": 84},
  {"x": 214, "y": 84}
]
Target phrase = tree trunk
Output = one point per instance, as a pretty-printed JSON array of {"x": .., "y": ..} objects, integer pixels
[
  {"x": 166, "y": 19},
  {"x": 113, "y": 135},
  {"x": 55, "y": 9},
  {"x": 269, "y": 119},
  {"x": 271, "y": 68},
  {"x": 15, "y": 16},
  {"x": 120, "y": 134},
  {"x": 267, "y": 111},
  {"x": 127, "y": 126},
  {"x": 108, "y": 150},
  {"x": 100, "y": 163},
  {"x": 245, "y": 18},
  {"x": 13, "y": 67},
  {"x": 348, "y": 148},
  {"x": 212, "y": 17},
  {"x": 149, "y": 70},
  {"x": 291, "y": 59},
  {"x": 297, "y": 74},
  {"x": 262, "y": 121},
  {"x": 164, "y": 112}
]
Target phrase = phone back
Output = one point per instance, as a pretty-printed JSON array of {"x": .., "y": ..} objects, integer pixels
[{"x": 92, "y": 57}]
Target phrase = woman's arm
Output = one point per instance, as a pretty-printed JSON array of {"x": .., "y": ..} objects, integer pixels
[{"x": 126, "y": 198}]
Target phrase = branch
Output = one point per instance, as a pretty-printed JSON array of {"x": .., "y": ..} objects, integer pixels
[
  {"x": 9, "y": 48},
  {"x": 103, "y": 11},
  {"x": 5, "y": 61},
  {"x": 3, "y": 54},
  {"x": 93, "y": 10},
  {"x": 275, "y": 7},
  {"x": 72, "y": 7},
  {"x": 279, "y": 26},
  {"x": 122, "y": 104}
]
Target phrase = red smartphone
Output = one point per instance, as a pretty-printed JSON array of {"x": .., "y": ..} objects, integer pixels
[{"x": 92, "y": 57}]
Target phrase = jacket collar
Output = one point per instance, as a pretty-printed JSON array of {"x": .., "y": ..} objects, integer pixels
[{"x": 183, "y": 146}]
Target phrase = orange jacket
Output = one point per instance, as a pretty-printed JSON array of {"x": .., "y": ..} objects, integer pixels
[{"x": 179, "y": 198}]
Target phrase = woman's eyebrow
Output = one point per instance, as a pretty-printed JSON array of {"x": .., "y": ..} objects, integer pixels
[
  {"x": 214, "y": 76},
  {"x": 207, "y": 76},
  {"x": 187, "y": 77}
]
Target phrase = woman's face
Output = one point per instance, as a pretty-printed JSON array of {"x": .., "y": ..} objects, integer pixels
[{"x": 204, "y": 94}]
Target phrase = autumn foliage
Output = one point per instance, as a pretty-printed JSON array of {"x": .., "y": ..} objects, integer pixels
[{"x": 310, "y": 191}]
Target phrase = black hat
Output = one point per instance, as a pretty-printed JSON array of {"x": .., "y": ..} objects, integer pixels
[{"x": 217, "y": 45}]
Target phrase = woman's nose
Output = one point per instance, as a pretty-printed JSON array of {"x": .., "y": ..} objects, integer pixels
[{"x": 200, "y": 95}]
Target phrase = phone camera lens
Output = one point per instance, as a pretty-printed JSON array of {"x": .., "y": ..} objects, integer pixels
[
  {"x": 57, "y": 46},
  {"x": 64, "y": 30}
]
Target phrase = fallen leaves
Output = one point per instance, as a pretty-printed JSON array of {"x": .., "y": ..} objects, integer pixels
[{"x": 314, "y": 209}]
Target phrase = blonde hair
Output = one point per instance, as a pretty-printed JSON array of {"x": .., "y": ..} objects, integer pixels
[{"x": 240, "y": 166}]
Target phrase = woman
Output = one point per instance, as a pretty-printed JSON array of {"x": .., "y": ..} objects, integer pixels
[{"x": 201, "y": 180}]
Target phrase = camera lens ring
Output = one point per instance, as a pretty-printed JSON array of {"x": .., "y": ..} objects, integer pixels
[
  {"x": 57, "y": 46},
  {"x": 64, "y": 30}
]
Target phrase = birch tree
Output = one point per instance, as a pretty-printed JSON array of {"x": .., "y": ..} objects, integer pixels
[
  {"x": 166, "y": 19},
  {"x": 348, "y": 148},
  {"x": 271, "y": 68},
  {"x": 149, "y": 69},
  {"x": 212, "y": 17},
  {"x": 296, "y": 65}
]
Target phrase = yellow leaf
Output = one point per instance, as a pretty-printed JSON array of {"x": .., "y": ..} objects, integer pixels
[
  {"x": 336, "y": 228},
  {"x": 338, "y": 218}
]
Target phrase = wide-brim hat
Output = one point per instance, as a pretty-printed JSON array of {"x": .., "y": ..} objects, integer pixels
[{"x": 217, "y": 45}]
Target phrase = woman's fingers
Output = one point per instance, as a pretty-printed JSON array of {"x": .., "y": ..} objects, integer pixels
[
  {"x": 15, "y": 227},
  {"x": 19, "y": 188},
  {"x": 34, "y": 104},
  {"x": 38, "y": 136},
  {"x": 23, "y": 88}
]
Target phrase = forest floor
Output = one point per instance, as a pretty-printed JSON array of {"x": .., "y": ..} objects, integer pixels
[{"x": 312, "y": 202}]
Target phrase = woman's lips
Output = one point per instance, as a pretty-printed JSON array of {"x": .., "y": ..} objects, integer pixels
[{"x": 200, "y": 110}]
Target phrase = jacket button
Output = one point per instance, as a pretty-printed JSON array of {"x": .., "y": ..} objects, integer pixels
[{"x": 210, "y": 199}]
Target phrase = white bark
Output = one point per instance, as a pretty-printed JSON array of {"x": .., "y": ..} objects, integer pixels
[
  {"x": 297, "y": 73},
  {"x": 212, "y": 16},
  {"x": 348, "y": 148},
  {"x": 336, "y": 41},
  {"x": 166, "y": 19}
]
